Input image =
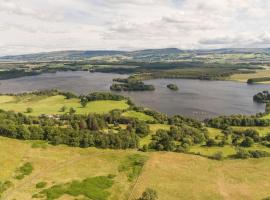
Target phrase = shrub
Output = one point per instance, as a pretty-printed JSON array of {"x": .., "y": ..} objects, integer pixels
[
  {"x": 149, "y": 194},
  {"x": 41, "y": 185},
  {"x": 29, "y": 110}
]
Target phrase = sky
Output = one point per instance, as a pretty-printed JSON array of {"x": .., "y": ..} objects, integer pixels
[{"x": 29, "y": 26}]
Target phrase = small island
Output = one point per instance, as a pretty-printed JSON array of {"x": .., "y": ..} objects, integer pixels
[
  {"x": 262, "y": 97},
  {"x": 172, "y": 87},
  {"x": 130, "y": 85}
]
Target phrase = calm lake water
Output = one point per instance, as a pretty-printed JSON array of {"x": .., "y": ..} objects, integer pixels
[{"x": 195, "y": 98}]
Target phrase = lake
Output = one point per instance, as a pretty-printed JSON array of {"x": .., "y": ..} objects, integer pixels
[{"x": 195, "y": 98}]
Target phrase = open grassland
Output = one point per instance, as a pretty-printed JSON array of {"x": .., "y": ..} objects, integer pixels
[
  {"x": 58, "y": 165},
  {"x": 245, "y": 77},
  {"x": 138, "y": 115},
  {"x": 53, "y": 105},
  {"x": 180, "y": 176},
  {"x": 67, "y": 171}
]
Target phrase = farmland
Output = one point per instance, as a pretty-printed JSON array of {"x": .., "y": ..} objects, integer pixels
[{"x": 53, "y": 105}]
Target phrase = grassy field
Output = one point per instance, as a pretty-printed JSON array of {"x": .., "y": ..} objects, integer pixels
[
  {"x": 58, "y": 165},
  {"x": 173, "y": 175},
  {"x": 138, "y": 115},
  {"x": 245, "y": 77},
  {"x": 263, "y": 131},
  {"x": 53, "y": 105},
  {"x": 180, "y": 176}
]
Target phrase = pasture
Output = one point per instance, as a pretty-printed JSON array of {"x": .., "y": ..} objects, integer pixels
[
  {"x": 173, "y": 175},
  {"x": 55, "y": 104}
]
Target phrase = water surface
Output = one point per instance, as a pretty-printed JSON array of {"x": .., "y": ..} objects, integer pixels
[{"x": 195, "y": 98}]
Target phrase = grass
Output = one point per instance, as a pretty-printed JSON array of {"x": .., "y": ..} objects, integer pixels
[
  {"x": 210, "y": 151},
  {"x": 57, "y": 165},
  {"x": 153, "y": 129},
  {"x": 173, "y": 175},
  {"x": 25, "y": 170},
  {"x": 263, "y": 131},
  {"x": 138, "y": 115},
  {"x": 266, "y": 116},
  {"x": 214, "y": 133},
  {"x": 180, "y": 176},
  {"x": 132, "y": 165},
  {"x": 53, "y": 105},
  {"x": 245, "y": 77},
  {"x": 94, "y": 188}
]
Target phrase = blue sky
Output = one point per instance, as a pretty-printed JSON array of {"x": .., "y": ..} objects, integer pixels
[{"x": 28, "y": 26}]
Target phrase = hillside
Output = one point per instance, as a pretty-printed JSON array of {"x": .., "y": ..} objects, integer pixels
[{"x": 172, "y": 175}]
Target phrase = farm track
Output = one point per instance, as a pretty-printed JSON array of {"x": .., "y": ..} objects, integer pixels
[{"x": 140, "y": 180}]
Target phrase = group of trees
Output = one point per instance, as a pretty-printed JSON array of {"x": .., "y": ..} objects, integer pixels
[
  {"x": 75, "y": 130},
  {"x": 257, "y": 80},
  {"x": 172, "y": 87},
  {"x": 130, "y": 85},
  {"x": 262, "y": 97},
  {"x": 223, "y": 122},
  {"x": 178, "y": 138}
]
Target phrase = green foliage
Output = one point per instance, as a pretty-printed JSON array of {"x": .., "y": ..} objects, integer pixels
[
  {"x": 29, "y": 110},
  {"x": 4, "y": 186},
  {"x": 244, "y": 154},
  {"x": 101, "y": 96},
  {"x": 39, "y": 144},
  {"x": 172, "y": 87},
  {"x": 262, "y": 97},
  {"x": 132, "y": 85},
  {"x": 149, "y": 194},
  {"x": 94, "y": 188},
  {"x": 41, "y": 184},
  {"x": 218, "y": 156},
  {"x": 132, "y": 165},
  {"x": 24, "y": 170}
]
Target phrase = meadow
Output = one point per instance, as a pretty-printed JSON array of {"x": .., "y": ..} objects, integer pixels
[
  {"x": 54, "y": 104},
  {"x": 68, "y": 171}
]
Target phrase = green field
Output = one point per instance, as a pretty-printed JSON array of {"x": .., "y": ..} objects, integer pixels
[
  {"x": 263, "y": 131},
  {"x": 53, "y": 105},
  {"x": 173, "y": 175},
  {"x": 138, "y": 115}
]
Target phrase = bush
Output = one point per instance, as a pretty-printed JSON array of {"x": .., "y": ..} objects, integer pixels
[
  {"x": 29, "y": 110},
  {"x": 41, "y": 185},
  {"x": 218, "y": 156},
  {"x": 149, "y": 194}
]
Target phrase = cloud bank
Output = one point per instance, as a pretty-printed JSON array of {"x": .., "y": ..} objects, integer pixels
[{"x": 28, "y": 26}]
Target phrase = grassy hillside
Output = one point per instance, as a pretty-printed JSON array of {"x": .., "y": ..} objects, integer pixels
[
  {"x": 53, "y": 105},
  {"x": 185, "y": 177},
  {"x": 172, "y": 175},
  {"x": 56, "y": 165}
]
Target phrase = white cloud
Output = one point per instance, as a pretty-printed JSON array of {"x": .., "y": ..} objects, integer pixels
[{"x": 44, "y": 25}]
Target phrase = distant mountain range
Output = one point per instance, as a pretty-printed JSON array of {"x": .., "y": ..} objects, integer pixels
[{"x": 145, "y": 55}]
